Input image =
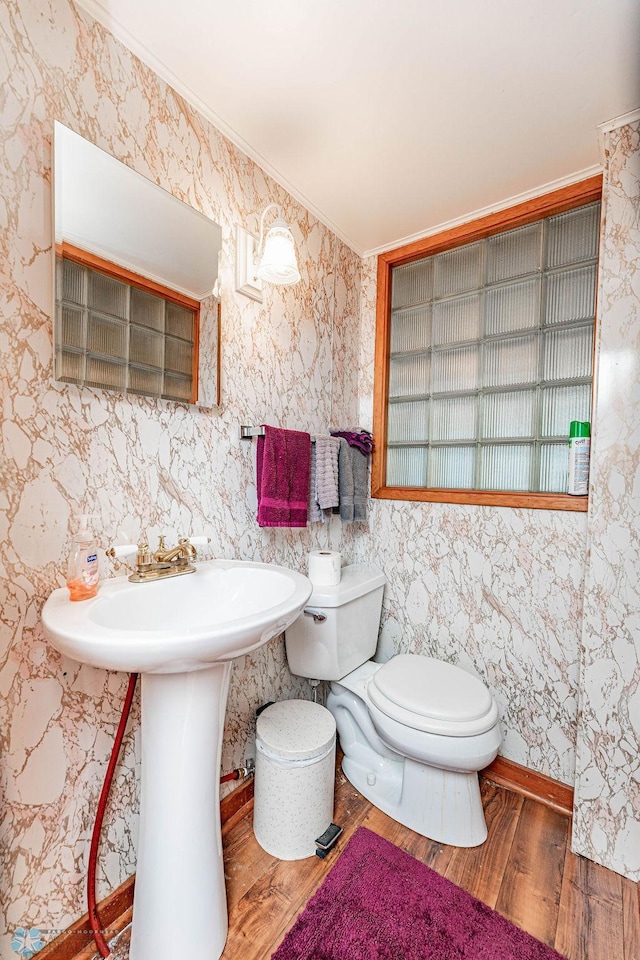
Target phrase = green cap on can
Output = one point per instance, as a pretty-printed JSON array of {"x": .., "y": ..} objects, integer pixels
[{"x": 580, "y": 429}]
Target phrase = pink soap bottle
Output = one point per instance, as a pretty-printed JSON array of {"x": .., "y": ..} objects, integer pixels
[{"x": 83, "y": 572}]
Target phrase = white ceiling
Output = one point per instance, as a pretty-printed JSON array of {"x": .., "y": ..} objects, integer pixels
[{"x": 389, "y": 119}]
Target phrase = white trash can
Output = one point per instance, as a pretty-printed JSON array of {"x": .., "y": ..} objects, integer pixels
[{"x": 295, "y": 773}]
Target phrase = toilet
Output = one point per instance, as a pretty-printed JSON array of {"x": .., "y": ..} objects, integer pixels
[{"x": 415, "y": 731}]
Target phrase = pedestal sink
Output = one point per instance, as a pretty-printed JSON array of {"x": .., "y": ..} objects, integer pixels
[{"x": 181, "y": 635}]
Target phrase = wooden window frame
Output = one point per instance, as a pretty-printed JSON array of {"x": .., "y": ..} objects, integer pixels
[
  {"x": 559, "y": 201},
  {"x": 69, "y": 252}
]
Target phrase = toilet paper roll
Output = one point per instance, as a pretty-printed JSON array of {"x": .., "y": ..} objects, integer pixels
[{"x": 324, "y": 567}]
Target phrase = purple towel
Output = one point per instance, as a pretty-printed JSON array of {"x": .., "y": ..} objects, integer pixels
[
  {"x": 283, "y": 460},
  {"x": 362, "y": 440}
]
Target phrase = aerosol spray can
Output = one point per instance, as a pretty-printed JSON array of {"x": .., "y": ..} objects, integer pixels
[{"x": 579, "y": 452}]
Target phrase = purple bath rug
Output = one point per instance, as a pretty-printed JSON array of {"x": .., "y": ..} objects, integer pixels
[{"x": 380, "y": 903}]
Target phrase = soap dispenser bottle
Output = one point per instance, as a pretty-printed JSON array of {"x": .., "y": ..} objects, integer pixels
[{"x": 83, "y": 573}]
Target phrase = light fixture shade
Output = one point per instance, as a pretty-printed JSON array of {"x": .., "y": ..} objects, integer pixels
[{"x": 279, "y": 264}]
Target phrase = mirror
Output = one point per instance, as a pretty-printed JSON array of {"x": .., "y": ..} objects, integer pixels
[{"x": 136, "y": 270}]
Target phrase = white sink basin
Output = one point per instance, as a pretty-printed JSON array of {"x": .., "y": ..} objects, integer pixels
[
  {"x": 223, "y": 610},
  {"x": 181, "y": 635}
]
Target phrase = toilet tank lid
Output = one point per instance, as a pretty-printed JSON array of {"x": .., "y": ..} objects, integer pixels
[
  {"x": 356, "y": 580},
  {"x": 432, "y": 688}
]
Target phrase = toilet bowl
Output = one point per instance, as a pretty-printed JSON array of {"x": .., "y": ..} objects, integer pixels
[
  {"x": 415, "y": 731},
  {"x": 425, "y": 779}
]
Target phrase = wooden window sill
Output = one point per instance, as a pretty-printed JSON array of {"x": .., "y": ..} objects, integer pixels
[{"x": 487, "y": 498}]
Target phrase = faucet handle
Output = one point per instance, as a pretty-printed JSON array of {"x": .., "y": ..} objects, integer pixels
[
  {"x": 121, "y": 551},
  {"x": 144, "y": 554},
  {"x": 199, "y": 541}
]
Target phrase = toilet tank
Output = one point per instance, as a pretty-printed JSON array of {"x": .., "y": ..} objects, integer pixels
[{"x": 330, "y": 648}]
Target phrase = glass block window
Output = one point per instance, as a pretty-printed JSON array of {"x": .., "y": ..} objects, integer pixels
[
  {"x": 490, "y": 358},
  {"x": 117, "y": 336}
]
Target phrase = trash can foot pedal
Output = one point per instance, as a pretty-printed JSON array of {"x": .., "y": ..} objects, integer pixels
[{"x": 327, "y": 841}]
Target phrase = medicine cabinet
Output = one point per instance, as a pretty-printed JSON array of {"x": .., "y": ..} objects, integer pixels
[{"x": 135, "y": 274}]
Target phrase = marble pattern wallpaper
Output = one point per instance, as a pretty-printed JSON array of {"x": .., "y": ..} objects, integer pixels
[
  {"x": 139, "y": 466},
  {"x": 499, "y": 591},
  {"x": 607, "y": 810}
]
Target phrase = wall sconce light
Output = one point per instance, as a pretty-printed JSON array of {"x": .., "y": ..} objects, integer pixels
[{"x": 269, "y": 259}]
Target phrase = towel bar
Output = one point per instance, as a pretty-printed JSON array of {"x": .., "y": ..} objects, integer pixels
[{"x": 248, "y": 433}]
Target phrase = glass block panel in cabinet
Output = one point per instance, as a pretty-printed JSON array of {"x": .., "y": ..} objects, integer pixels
[
  {"x": 70, "y": 366},
  {"x": 411, "y": 284},
  {"x": 106, "y": 373},
  {"x": 409, "y": 376},
  {"x": 406, "y": 466},
  {"x": 511, "y": 361},
  {"x": 107, "y": 337},
  {"x": 573, "y": 236},
  {"x": 452, "y": 467},
  {"x": 411, "y": 329},
  {"x": 456, "y": 319},
  {"x": 176, "y": 388},
  {"x": 146, "y": 382},
  {"x": 454, "y": 418},
  {"x": 568, "y": 354},
  {"x": 72, "y": 330},
  {"x": 107, "y": 295},
  {"x": 554, "y": 468},
  {"x": 561, "y": 405},
  {"x": 509, "y": 414},
  {"x": 571, "y": 295},
  {"x": 408, "y": 422},
  {"x": 146, "y": 346},
  {"x": 514, "y": 253},
  {"x": 146, "y": 309},
  {"x": 512, "y": 306},
  {"x": 73, "y": 275},
  {"x": 179, "y": 322},
  {"x": 506, "y": 466},
  {"x": 457, "y": 271},
  {"x": 178, "y": 356},
  {"x": 455, "y": 370}
]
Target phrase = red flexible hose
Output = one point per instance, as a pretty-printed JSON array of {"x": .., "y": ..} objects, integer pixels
[
  {"x": 234, "y": 775},
  {"x": 94, "y": 919}
]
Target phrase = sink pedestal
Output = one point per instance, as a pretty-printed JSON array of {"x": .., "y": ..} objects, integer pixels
[{"x": 180, "y": 903}]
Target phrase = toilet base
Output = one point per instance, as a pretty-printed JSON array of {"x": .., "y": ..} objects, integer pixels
[{"x": 443, "y": 805}]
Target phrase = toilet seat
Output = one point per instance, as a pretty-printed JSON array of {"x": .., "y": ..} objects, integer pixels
[{"x": 432, "y": 696}]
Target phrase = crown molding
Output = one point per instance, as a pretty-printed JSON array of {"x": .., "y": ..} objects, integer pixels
[
  {"x": 492, "y": 208},
  {"x": 604, "y": 129},
  {"x": 632, "y": 117}
]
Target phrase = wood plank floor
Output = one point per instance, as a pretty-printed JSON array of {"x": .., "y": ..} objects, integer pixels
[{"x": 525, "y": 870}]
